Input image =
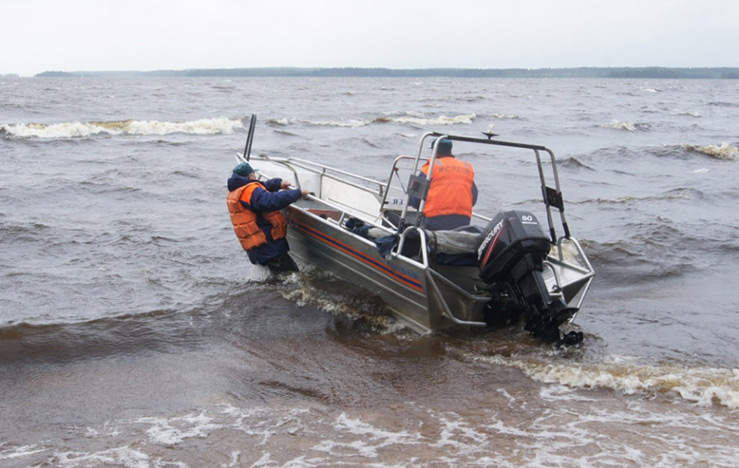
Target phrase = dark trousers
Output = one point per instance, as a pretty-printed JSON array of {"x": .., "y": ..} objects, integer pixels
[{"x": 282, "y": 264}]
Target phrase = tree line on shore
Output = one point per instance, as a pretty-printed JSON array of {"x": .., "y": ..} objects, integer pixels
[{"x": 581, "y": 72}]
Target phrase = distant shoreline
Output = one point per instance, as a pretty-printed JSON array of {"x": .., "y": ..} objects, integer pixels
[{"x": 580, "y": 72}]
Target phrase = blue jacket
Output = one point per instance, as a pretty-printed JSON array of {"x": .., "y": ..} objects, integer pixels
[{"x": 272, "y": 199}]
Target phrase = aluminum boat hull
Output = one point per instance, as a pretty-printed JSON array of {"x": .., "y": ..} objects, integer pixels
[{"x": 424, "y": 293}]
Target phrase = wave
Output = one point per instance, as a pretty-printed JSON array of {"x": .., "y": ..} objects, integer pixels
[
  {"x": 625, "y": 125},
  {"x": 282, "y": 122},
  {"x": 31, "y": 230},
  {"x": 501, "y": 116},
  {"x": 358, "y": 309},
  {"x": 690, "y": 114},
  {"x": 722, "y": 104},
  {"x": 405, "y": 119},
  {"x": 573, "y": 163},
  {"x": 120, "y": 127},
  {"x": 82, "y": 339},
  {"x": 701, "y": 385},
  {"x": 671, "y": 195},
  {"x": 723, "y": 151},
  {"x": 649, "y": 251}
]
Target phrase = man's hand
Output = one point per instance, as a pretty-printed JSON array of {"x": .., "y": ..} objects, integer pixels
[{"x": 285, "y": 184}]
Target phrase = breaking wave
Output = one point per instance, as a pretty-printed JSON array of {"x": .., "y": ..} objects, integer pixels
[
  {"x": 701, "y": 385},
  {"x": 120, "y": 127},
  {"x": 623, "y": 125},
  {"x": 723, "y": 151},
  {"x": 462, "y": 119},
  {"x": 361, "y": 311},
  {"x": 501, "y": 116}
]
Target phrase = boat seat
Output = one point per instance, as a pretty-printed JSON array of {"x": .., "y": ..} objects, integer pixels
[
  {"x": 469, "y": 228},
  {"x": 456, "y": 247}
]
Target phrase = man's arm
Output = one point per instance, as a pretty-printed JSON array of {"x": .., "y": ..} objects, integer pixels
[
  {"x": 273, "y": 185},
  {"x": 262, "y": 200}
]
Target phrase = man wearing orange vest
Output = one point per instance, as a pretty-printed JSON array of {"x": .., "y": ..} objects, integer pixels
[
  {"x": 452, "y": 191},
  {"x": 255, "y": 214}
]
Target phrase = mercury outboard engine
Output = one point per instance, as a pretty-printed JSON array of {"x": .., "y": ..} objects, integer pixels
[{"x": 511, "y": 256}]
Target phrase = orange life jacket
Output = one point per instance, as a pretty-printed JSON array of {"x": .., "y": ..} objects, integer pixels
[
  {"x": 244, "y": 220},
  {"x": 451, "y": 188}
]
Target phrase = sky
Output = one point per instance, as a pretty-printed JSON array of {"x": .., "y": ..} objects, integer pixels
[{"x": 87, "y": 35}]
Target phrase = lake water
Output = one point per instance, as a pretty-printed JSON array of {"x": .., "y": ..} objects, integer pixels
[{"x": 134, "y": 332}]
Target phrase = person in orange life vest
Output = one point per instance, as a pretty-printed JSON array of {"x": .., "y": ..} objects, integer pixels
[
  {"x": 452, "y": 192},
  {"x": 255, "y": 214}
]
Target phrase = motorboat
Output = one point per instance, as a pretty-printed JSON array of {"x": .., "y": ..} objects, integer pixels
[{"x": 498, "y": 271}]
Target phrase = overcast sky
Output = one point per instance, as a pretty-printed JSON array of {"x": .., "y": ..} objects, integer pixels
[{"x": 86, "y": 35}]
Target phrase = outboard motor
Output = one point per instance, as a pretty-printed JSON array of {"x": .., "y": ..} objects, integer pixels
[{"x": 511, "y": 256}]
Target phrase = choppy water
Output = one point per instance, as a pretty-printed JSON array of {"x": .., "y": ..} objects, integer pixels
[{"x": 133, "y": 332}]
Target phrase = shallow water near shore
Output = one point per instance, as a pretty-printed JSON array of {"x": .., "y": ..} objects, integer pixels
[{"x": 134, "y": 332}]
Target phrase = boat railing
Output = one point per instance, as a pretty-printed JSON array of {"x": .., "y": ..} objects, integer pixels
[
  {"x": 423, "y": 247},
  {"x": 395, "y": 185},
  {"x": 432, "y": 276},
  {"x": 552, "y": 197},
  {"x": 375, "y": 189},
  {"x": 332, "y": 172},
  {"x": 581, "y": 266}
]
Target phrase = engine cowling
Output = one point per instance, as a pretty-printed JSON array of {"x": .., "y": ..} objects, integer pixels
[
  {"x": 511, "y": 257},
  {"x": 508, "y": 238}
]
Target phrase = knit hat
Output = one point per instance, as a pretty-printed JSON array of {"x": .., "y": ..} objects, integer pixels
[
  {"x": 445, "y": 147},
  {"x": 244, "y": 169}
]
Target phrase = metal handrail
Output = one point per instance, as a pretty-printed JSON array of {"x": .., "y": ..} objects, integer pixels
[
  {"x": 430, "y": 274},
  {"x": 588, "y": 270},
  {"x": 305, "y": 163},
  {"x": 424, "y": 244},
  {"x": 489, "y": 141},
  {"x": 393, "y": 172}
]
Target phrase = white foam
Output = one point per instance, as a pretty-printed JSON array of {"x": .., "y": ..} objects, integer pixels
[
  {"x": 18, "y": 452},
  {"x": 118, "y": 456},
  {"x": 505, "y": 117},
  {"x": 723, "y": 151},
  {"x": 441, "y": 120},
  {"x": 334, "y": 123},
  {"x": 257, "y": 273},
  {"x": 556, "y": 433},
  {"x": 263, "y": 421},
  {"x": 458, "y": 433},
  {"x": 303, "y": 294},
  {"x": 121, "y": 127},
  {"x": 282, "y": 122},
  {"x": 404, "y": 119},
  {"x": 701, "y": 385},
  {"x": 621, "y": 125},
  {"x": 266, "y": 460},
  {"x": 172, "y": 431},
  {"x": 370, "y": 441}
]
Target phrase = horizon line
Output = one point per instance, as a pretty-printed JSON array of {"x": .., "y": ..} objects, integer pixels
[
  {"x": 653, "y": 71},
  {"x": 383, "y": 72}
]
